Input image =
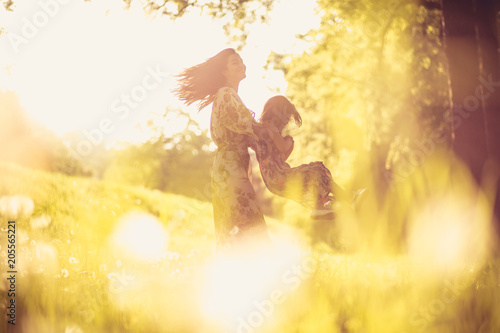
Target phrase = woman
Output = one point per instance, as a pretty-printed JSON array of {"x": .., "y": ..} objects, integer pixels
[{"x": 238, "y": 219}]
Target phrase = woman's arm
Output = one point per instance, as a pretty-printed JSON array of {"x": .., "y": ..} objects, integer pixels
[{"x": 233, "y": 114}]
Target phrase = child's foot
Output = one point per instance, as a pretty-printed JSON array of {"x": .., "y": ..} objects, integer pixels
[
  {"x": 324, "y": 210},
  {"x": 326, "y": 203}
]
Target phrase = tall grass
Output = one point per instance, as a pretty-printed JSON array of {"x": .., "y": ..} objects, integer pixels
[{"x": 96, "y": 256}]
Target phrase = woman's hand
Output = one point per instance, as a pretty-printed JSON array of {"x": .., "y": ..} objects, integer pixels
[{"x": 259, "y": 130}]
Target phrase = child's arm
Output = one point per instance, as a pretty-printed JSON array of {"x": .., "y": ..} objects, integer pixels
[
  {"x": 284, "y": 146},
  {"x": 286, "y": 154}
]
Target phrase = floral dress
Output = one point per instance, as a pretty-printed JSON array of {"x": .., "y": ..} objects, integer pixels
[
  {"x": 237, "y": 213},
  {"x": 307, "y": 184}
]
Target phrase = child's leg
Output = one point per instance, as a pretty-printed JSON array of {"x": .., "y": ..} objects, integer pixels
[{"x": 327, "y": 190}]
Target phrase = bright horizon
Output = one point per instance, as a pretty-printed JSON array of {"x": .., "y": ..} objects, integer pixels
[{"x": 81, "y": 65}]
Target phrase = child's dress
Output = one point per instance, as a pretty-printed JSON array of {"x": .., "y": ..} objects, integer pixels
[{"x": 307, "y": 184}]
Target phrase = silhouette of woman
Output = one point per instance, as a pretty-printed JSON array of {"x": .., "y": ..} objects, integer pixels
[{"x": 238, "y": 219}]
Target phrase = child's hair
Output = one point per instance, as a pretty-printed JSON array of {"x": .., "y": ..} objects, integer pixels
[{"x": 279, "y": 111}]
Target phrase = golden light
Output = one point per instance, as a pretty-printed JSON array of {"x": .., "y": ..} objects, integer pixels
[
  {"x": 234, "y": 284},
  {"x": 245, "y": 291},
  {"x": 45, "y": 259},
  {"x": 450, "y": 233},
  {"x": 141, "y": 236},
  {"x": 90, "y": 69},
  {"x": 16, "y": 206}
]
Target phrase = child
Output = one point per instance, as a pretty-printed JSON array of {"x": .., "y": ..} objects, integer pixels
[{"x": 311, "y": 185}]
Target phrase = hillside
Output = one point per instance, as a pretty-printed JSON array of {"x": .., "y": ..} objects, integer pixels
[
  {"x": 96, "y": 256},
  {"x": 76, "y": 239}
]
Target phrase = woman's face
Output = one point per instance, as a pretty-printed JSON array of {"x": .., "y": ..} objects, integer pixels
[{"x": 235, "y": 69}]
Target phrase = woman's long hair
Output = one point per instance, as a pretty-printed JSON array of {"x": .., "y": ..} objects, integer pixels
[
  {"x": 200, "y": 83},
  {"x": 279, "y": 111}
]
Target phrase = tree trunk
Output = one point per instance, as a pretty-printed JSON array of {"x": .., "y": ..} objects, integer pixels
[
  {"x": 471, "y": 44},
  {"x": 488, "y": 41}
]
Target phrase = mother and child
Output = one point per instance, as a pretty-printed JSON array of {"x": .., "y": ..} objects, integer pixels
[{"x": 238, "y": 218}]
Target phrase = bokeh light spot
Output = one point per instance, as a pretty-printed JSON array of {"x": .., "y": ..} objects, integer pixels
[{"x": 141, "y": 236}]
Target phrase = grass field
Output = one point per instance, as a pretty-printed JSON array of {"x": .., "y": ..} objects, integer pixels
[{"x": 95, "y": 256}]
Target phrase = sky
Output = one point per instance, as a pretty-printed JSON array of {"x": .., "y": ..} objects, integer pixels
[{"x": 84, "y": 66}]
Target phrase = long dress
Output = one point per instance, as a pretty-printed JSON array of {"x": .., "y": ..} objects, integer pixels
[
  {"x": 238, "y": 218},
  {"x": 308, "y": 184}
]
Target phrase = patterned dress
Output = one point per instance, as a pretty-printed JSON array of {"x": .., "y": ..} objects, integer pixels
[
  {"x": 307, "y": 184},
  {"x": 237, "y": 215}
]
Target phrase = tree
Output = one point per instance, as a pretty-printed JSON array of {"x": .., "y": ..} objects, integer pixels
[
  {"x": 385, "y": 84},
  {"x": 179, "y": 163},
  {"x": 361, "y": 85},
  {"x": 238, "y": 14},
  {"x": 471, "y": 38}
]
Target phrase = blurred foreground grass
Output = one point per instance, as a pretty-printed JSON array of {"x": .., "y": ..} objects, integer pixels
[{"x": 95, "y": 256}]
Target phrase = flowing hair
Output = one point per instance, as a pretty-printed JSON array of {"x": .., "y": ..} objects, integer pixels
[
  {"x": 279, "y": 111},
  {"x": 201, "y": 82}
]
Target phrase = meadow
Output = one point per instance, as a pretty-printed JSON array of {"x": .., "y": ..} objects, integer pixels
[{"x": 96, "y": 256}]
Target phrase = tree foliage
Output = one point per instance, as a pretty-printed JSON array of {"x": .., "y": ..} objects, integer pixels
[
  {"x": 371, "y": 86},
  {"x": 179, "y": 163},
  {"x": 7, "y": 4},
  {"x": 237, "y": 15}
]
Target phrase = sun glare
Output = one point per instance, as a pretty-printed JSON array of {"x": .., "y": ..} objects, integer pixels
[
  {"x": 449, "y": 233},
  {"x": 141, "y": 236},
  {"x": 69, "y": 78},
  {"x": 250, "y": 288}
]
